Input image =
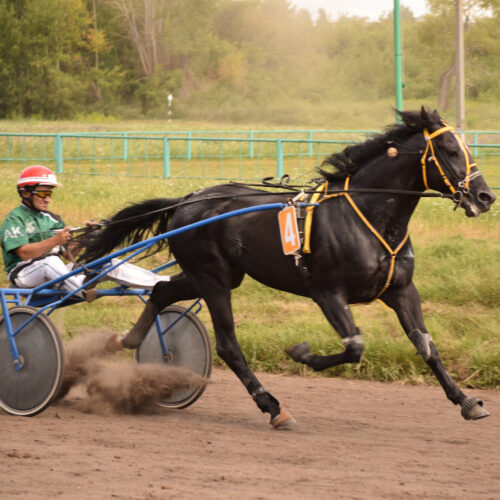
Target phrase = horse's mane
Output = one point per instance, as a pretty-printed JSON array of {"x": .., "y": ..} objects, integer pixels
[{"x": 338, "y": 166}]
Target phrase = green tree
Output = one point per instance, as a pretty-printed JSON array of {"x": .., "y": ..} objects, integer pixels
[
  {"x": 232, "y": 58},
  {"x": 41, "y": 72}
]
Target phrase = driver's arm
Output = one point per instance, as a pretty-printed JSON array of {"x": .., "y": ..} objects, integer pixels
[{"x": 34, "y": 250}]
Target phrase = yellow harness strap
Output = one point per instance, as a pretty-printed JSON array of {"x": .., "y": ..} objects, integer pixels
[
  {"x": 308, "y": 223},
  {"x": 306, "y": 247}
]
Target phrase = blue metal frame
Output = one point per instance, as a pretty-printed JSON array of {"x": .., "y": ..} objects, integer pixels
[{"x": 47, "y": 298}]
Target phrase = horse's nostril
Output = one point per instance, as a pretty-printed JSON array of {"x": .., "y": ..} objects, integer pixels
[{"x": 486, "y": 198}]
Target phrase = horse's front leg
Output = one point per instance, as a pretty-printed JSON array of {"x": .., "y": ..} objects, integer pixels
[
  {"x": 218, "y": 300},
  {"x": 337, "y": 312},
  {"x": 406, "y": 303}
]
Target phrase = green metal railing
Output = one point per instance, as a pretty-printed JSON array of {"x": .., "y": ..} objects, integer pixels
[{"x": 207, "y": 154}]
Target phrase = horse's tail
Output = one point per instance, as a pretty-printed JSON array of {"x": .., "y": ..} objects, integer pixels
[{"x": 130, "y": 225}]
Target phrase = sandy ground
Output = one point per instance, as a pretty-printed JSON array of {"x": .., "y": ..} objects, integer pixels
[{"x": 353, "y": 440}]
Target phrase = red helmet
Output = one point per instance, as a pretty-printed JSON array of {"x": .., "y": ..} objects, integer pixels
[{"x": 36, "y": 175}]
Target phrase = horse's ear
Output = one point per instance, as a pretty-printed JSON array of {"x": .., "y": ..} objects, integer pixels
[{"x": 423, "y": 114}]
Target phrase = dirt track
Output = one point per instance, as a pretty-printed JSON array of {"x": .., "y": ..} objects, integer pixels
[{"x": 353, "y": 440}]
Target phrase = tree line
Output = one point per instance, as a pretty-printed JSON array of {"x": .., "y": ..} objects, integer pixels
[{"x": 229, "y": 58}]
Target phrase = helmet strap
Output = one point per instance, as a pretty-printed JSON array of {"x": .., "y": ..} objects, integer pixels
[{"x": 28, "y": 201}]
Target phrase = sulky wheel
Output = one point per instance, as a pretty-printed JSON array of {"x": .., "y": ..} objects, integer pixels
[
  {"x": 30, "y": 390},
  {"x": 188, "y": 346}
]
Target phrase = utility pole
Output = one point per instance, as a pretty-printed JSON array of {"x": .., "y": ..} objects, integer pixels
[
  {"x": 398, "y": 76},
  {"x": 95, "y": 33},
  {"x": 460, "y": 55}
]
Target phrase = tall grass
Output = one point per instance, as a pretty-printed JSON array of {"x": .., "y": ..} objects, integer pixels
[
  {"x": 457, "y": 274},
  {"x": 338, "y": 114}
]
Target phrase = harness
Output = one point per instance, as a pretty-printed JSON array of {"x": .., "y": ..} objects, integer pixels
[{"x": 321, "y": 194}]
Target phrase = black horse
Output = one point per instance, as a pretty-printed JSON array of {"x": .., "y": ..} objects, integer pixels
[{"x": 359, "y": 246}]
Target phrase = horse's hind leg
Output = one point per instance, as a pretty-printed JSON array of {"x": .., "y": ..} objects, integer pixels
[
  {"x": 406, "y": 304},
  {"x": 165, "y": 293},
  {"x": 337, "y": 312}
]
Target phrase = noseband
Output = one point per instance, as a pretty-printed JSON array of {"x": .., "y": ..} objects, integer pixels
[{"x": 462, "y": 188}]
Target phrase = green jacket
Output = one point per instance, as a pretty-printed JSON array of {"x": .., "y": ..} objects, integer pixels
[{"x": 25, "y": 225}]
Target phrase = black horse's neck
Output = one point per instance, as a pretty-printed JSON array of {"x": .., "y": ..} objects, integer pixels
[{"x": 390, "y": 213}]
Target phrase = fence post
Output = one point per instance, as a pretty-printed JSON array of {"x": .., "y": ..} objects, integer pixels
[
  {"x": 310, "y": 145},
  {"x": 166, "y": 158},
  {"x": 279, "y": 159},
  {"x": 250, "y": 144},
  {"x": 125, "y": 146},
  {"x": 474, "y": 139},
  {"x": 58, "y": 153},
  {"x": 188, "y": 146}
]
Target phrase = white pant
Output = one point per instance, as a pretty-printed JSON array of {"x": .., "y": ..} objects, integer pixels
[{"x": 52, "y": 267}]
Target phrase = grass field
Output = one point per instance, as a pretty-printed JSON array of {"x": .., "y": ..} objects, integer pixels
[{"x": 457, "y": 274}]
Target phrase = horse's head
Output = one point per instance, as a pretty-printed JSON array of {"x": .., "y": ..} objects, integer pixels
[{"x": 448, "y": 165}]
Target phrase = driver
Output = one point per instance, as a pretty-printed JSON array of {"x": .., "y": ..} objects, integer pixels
[{"x": 34, "y": 239}]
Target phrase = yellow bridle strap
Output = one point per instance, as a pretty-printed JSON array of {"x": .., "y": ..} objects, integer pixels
[
  {"x": 430, "y": 146},
  {"x": 308, "y": 222},
  {"x": 468, "y": 166},
  {"x": 439, "y": 131}
]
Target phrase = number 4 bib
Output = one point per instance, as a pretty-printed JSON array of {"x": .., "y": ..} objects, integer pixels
[{"x": 288, "y": 230}]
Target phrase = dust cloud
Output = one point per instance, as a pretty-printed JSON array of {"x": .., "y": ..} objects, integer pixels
[{"x": 113, "y": 383}]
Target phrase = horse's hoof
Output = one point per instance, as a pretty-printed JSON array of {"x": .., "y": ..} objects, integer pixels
[
  {"x": 114, "y": 343},
  {"x": 284, "y": 420},
  {"x": 472, "y": 409},
  {"x": 90, "y": 295},
  {"x": 298, "y": 351}
]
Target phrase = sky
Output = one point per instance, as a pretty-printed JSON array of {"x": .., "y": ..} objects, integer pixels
[{"x": 372, "y": 9}]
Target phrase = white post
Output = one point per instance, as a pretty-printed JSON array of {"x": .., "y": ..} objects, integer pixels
[{"x": 170, "y": 99}]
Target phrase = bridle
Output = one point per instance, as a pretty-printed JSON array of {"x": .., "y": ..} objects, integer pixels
[{"x": 462, "y": 189}]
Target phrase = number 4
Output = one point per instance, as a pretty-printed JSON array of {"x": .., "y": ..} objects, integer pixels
[{"x": 289, "y": 231}]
